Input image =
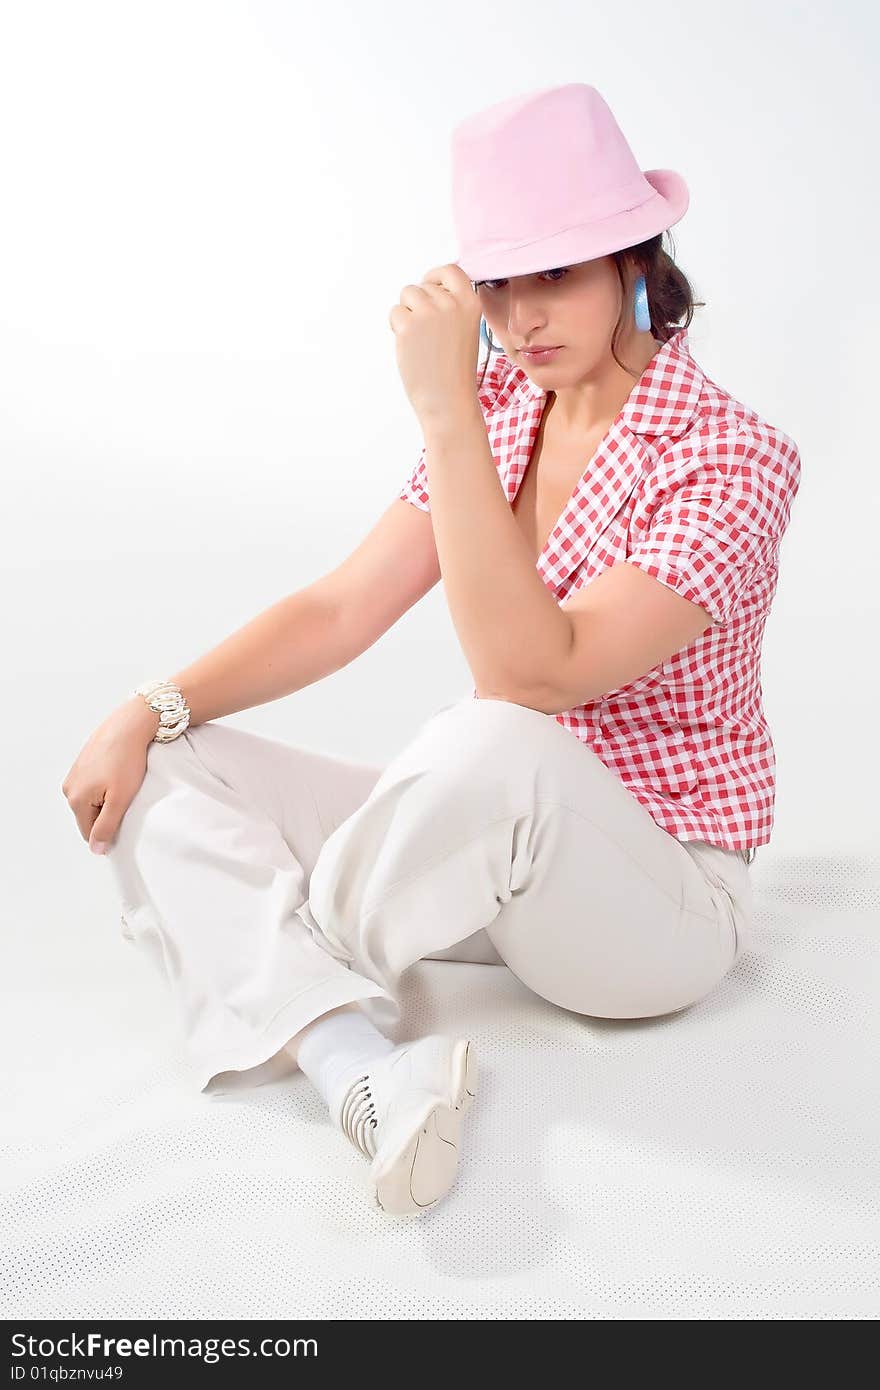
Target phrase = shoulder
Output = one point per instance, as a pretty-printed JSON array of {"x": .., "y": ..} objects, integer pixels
[
  {"x": 733, "y": 444},
  {"x": 743, "y": 432},
  {"x": 733, "y": 463}
]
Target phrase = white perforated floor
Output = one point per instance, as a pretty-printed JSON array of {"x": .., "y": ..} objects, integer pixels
[{"x": 720, "y": 1163}]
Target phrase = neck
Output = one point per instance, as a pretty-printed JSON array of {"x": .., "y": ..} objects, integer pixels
[{"x": 595, "y": 400}]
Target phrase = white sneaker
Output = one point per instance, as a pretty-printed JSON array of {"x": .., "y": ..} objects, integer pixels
[{"x": 406, "y": 1115}]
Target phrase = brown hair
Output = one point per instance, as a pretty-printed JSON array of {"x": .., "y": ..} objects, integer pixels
[{"x": 670, "y": 296}]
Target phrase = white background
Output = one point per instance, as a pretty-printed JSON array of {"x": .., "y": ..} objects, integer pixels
[{"x": 208, "y": 211}]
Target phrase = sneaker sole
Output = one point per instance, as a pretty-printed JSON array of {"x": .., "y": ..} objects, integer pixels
[{"x": 423, "y": 1171}]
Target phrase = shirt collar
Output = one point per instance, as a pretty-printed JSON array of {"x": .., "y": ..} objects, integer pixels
[
  {"x": 662, "y": 401},
  {"x": 660, "y": 406}
]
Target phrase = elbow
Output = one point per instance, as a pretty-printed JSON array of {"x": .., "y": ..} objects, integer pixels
[
  {"x": 534, "y": 697},
  {"x": 547, "y": 697},
  {"x": 551, "y": 695},
  {"x": 533, "y": 689},
  {"x": 549, "y": 701}
]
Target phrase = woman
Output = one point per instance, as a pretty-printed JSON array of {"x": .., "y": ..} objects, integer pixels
[{"x": 614, "y": 587}]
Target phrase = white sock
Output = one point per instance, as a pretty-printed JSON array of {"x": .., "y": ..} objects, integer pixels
[{"x": 336, "y": 1052}]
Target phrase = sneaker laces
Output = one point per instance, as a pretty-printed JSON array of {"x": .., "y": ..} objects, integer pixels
[{"x": 358, "y": 1118}]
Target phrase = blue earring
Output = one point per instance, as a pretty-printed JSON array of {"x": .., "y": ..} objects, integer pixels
[
  {"x": 643, "y": 315},
  {"x": 484, "y": 338}
]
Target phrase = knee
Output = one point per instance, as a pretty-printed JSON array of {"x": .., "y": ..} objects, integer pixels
[
  {"x": 474, "y": 735},
  {"x": 495, "y": 711},
  {"x": 162, "y": 756},
  {"x": 162, "y": 762}
]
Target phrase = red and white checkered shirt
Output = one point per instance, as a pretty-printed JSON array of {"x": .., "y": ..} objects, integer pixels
[{"x": 695, "y": 489}]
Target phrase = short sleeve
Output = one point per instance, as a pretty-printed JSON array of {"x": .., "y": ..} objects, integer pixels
[
  {"x": 719, "y": 518},
  {"x": 490, "y": 393}
]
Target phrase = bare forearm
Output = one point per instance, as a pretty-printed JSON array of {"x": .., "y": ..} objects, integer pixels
[
  {"x": 508, "y": 622},
  {"x": 294, "y": 643}
]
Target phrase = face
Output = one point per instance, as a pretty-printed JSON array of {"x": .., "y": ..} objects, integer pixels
[{"x": 573, "y": 307}]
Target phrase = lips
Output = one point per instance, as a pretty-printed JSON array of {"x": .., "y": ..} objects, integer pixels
[{"x": 539, "y": 356}]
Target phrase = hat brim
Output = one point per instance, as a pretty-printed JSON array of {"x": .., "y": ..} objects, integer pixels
[{"x": 592, "y": 240}]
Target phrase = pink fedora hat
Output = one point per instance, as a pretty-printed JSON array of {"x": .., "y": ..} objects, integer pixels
[{"x": 547, "y": 179}]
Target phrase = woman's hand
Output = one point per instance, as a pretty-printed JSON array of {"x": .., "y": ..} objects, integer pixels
[
  {"x": 437, "y": 331},
  {"x": 108, "y": 771}
]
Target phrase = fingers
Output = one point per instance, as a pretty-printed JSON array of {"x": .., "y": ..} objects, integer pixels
[
  {"x": 451, "y": 277},
  {"x": 94, "y": 823},
  {"x": 104, "y": 827}
]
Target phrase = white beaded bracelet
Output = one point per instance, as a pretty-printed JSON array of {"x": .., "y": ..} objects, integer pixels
[{"x": 166, "y": 699}]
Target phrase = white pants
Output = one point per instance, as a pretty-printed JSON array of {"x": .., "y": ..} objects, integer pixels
[{"x": 270, "y": 883}]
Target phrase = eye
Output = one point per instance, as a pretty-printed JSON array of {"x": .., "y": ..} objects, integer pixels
[{"x": 493, "y": 284}]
